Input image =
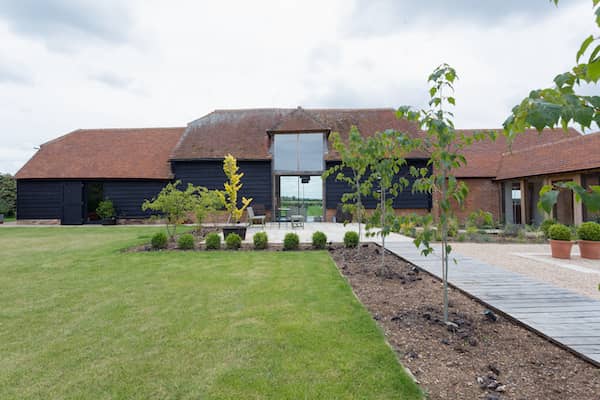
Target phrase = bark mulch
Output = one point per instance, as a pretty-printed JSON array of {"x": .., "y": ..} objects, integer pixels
[{"x": 480, "y": 356}]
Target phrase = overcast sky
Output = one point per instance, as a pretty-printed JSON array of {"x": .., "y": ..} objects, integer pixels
[{"x": 92, "y": 64}]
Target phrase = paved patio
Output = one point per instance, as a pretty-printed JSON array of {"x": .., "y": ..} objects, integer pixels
[{"x": 561, "y": 315}]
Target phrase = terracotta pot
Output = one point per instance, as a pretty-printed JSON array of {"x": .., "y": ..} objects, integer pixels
[
  {"x": 561, "y": 248},
  {"x": 589, "y": 249}
]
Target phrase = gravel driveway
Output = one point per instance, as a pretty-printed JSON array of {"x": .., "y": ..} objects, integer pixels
[{"x": 534, "y": 260}]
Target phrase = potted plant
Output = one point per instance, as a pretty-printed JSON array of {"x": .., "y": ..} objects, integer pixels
[
  {"x": 106, "y": 211},
  {"x": 229, "y": 198},
  {"x": 560, "y": 241},
  {"x": 589, "y": 240}
]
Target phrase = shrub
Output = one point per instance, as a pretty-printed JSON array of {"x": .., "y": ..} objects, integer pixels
[
  {"x": 351, "y": 239},
  {"x": 480, "y": 219},
  {"x": 159, "y": 240},
  {"x": 233, "y": 241},
  {"x": 559, "y": 232},
  {"x": 261, "y": 240},
  {"x": 213, "y": 241},
  {"x": 105, "y": 209},
  {"x": 186, "y": 241},
  {"x": 544, "y": 226},
  {"x": 511, "y": 230},
  {"x": 291, "y": 241},
  {"x": 319, "y": 240},
  {"x": 589, "y": 231}
]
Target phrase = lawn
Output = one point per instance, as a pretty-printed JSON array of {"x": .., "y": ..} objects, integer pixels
[{"x": 81, "y": 319}]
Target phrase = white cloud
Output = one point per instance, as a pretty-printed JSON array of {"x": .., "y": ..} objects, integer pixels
[{"x": 165, "y": 64}]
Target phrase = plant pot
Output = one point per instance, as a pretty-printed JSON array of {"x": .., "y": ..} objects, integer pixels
[
  {"x": 109, "y": 221},
  {"x": 589, "y": 249},
  {"x": 239, "y": 229},
  {"x": 561, "y": 248}
]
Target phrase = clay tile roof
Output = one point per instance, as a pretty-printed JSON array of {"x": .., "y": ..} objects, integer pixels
[
  {"x": 243, "y": 133},
  {"x": 569, "y": 154},
  {"x": 483, "y": 158},
  {"x": 105, "y": 153}
]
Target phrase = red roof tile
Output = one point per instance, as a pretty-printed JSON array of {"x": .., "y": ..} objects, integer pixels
[
  {"x": 483, "y": 158},
  {"x": 243, "y": 133},
  {"x": 567, "y": 155},
  {"x": 105, "y": 153}
]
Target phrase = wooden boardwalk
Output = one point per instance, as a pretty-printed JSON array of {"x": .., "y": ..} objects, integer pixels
[{"x": 560, "y": 315}]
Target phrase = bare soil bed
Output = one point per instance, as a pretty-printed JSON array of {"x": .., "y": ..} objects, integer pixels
[{"x": 482, "y": 356}]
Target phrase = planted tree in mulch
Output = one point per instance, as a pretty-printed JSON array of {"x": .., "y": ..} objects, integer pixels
[
  {"x": 445, "y": 146},
  {"x": 353, "y": 170},
  {"x": 386, "y": 155},
  {"x": 174, "y": 204}
]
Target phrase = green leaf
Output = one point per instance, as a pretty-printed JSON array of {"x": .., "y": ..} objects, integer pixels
[
  {"x": 593, "y": 71},
  {"x": 586, "y": 43},
  {"x": 548, "y": 198},
  {"x": 452, "y": 100}
]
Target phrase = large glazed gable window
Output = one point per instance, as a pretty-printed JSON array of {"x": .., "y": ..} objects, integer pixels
[{"x": 294, "y": 152}]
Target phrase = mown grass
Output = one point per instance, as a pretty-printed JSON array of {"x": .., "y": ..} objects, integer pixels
[{"x": 81, "y": 319}]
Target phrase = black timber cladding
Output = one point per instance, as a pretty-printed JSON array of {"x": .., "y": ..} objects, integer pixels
[
  {"x": 256, "y": 182},
  {"x": 406, "y": 200},
  {"x": 43, "y": 199}
]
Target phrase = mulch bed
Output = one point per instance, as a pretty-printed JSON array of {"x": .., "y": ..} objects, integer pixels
[{"x": 481, "y": 356}]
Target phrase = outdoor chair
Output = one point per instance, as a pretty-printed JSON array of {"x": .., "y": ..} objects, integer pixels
[
  {"x": 297, "y": 217},
  {"x": 252, "y": 218}
]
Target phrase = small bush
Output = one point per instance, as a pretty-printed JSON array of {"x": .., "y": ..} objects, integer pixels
[
  {"x": 461, "y": 237},
  {"x": 480, "y": 219},
  {"x": 351, "y": 239},
  {"x": 544, "y": 226},
  {"x": 261, "y": 240},
  {"x": 105, "y": 209},
  {"x": 159, "y": 240},
  {"x": 511, "y": 230},
  {"x": 319, "y": 240},
  {"x": 291, "y": 241},
  {"x": 186, "y": 241},
  {"x": 589, "y": 231},
  {"x": 213, "y": 241},
  {"x": 559, "y": 232},
  {"x": 233, "y": 241}
]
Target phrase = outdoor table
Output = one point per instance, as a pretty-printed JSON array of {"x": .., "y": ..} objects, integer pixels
[{"x": 282, "y": 215}]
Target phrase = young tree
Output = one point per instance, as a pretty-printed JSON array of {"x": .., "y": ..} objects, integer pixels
[
  {"x": 174, "y": 204},
  {"x": 385, "y": 154},
  {"x": 8, "y": 194},
  {"x": 445, "y": 146},
  {"x": 229, "y": 198},
  {"x": 207, "y": 201},
  {"x": 352, "y": 170}
]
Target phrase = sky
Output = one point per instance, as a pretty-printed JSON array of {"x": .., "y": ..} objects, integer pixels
[{"x": 67, "y": 64}]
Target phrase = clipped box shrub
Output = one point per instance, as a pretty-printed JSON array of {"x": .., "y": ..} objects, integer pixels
[
  {"x": 545, "y": 226},
  {"x": 159, "y": 240},
  {"x": 351, "y": 239},
  {"x": 261, "y": 240},
  {"x": 186, "y": 241},
  {"x": 233, "y": 241},
  {"x": 291, "y": 241},
  {"x": 559, "y": 232},
  {"x": 213, "y": 241},
  {"x": 319, "y": 240},
  {"x": 589, "y": 231}
]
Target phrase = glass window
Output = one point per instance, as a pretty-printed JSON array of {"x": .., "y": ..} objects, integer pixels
[
  {"x": 285, "y": 150},
  {"x": 298, "y": 152}
]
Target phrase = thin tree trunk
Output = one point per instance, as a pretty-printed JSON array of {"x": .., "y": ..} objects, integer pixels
[{"x": 444, "y": 248}]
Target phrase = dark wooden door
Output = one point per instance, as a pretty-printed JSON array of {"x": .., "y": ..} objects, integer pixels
[{"x": 72, "y": 211}]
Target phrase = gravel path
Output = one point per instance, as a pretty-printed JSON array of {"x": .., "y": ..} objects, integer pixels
[{"x": 577, "y": 274}]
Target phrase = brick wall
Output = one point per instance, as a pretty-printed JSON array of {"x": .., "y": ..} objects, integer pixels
[{"x": 484, "y": 194}]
